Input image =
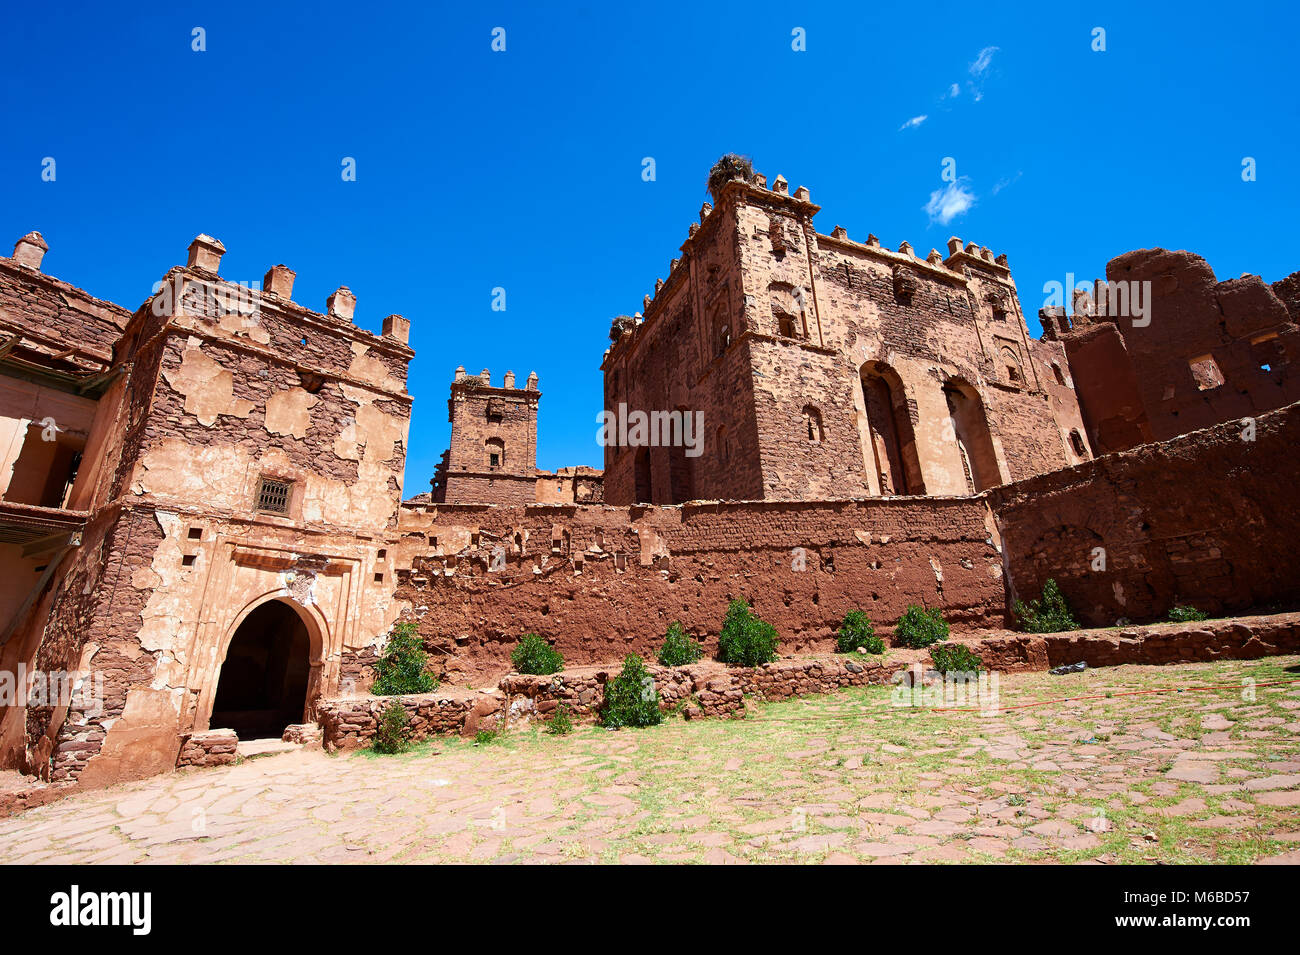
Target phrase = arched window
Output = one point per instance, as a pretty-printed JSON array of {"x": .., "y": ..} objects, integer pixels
[
  {"x": 812, "y": 425},
  {"x": 1011, "y": 365},
  {"x": 496, "y": 452},
  {"x": 723, "y": 335}
]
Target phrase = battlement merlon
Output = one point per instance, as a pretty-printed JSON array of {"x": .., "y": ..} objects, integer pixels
[
  {"x": 201, "y": 274},
  {"x": 954, "y": 268}
]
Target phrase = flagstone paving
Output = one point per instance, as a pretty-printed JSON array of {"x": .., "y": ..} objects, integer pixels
[{"x": 1194, "y": 775}]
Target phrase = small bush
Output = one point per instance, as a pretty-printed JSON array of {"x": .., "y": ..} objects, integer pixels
[
  {"x": 631, "y": 698},
  {"x": 679, "y": 648},
  {"x": 745, "y": 639},
  {"x": 401, "y": 668},
  {"x": 391, "y": 733},
  {"x": 918, "y": 627},
  {"x": 857, "y": 631},
  {"x": 483, "y": 737},
  {"x": 955, "y": 658},
  {"x": 1187, "y": 615},
  {"x": 534, "y": 655},
  {"x": 1050, "y": 613},
  {"x": 561, "y": 723}
]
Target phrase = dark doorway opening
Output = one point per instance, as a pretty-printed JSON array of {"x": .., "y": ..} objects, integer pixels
[{"x": 263, "y": 683}]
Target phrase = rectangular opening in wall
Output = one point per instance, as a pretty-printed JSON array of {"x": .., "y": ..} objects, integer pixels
[
  {"x": 379, "y": 578},
  {"x": 1205, "y": 371},
  {"x": 196, "y": 533},
  {"x": 273, "y": 496},
  {"x": 188, "y": 560}
]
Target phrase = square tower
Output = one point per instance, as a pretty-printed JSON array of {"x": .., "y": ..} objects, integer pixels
[{"x": 493, "y": 454}]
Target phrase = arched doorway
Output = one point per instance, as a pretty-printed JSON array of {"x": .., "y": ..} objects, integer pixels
[
  {"x": 262, "y": 687},
  {"x": 893, "y": 443},
  {"x": 974, "y": 442}
]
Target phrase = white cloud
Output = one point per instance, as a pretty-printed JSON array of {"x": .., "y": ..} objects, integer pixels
[
  {"x": 978, "y": 69},
  {"x": 1004, "y": 182},
  {"x": 949, "y": 202},
  {"x": 953, "y": 92},
  {"x": 983, "y": 61},
  {"x": 913, "y": 122}
]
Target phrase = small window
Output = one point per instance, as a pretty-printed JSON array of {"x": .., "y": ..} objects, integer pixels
[
  {"x": 383, "y": 552},
  {"x": 188, "y": 560},
  {"x": 496, "y": 452},
  {"x": 724, "y": 337},
  {"x": 196, "y": 533},
  {"x": 1206, "y": 373},
  {"x": 812, "y": 425},
  {"x": 273, "y": 496},
  {"x": 494, "y": 460},
  {"x": 1076, "y": 442},
  {"x": 1058, "y": 374}
]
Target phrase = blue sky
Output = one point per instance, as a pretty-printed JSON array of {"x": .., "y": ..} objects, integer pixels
[{"x": 523, "y": 169}]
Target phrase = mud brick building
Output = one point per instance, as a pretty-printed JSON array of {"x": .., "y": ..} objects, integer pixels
[
  {"x": 195, "y": 497},
  {"x": 1208, "y": 352},
  {"x": 201, "y": 513},
  {"x": 493, "y": 454},
  {"x": 831, "y": 368}
]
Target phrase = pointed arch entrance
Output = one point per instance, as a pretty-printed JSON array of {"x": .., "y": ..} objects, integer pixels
[
  {"x": 267, "y": 673},
  {"x": 974, "y": 442},
  {"x": 892, "y": 440}
]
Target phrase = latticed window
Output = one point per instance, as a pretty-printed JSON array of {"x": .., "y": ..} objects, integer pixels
[{"x": 273, "y": 495}]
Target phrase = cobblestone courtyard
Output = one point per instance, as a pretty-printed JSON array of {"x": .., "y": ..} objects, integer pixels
[{"x": 1184, "y": 776}]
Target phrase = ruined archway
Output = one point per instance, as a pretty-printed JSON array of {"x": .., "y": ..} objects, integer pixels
[
  {"x": 974, "y": 441},
  {"x": 889, "y": 423},
  {"x": 264, "y": 680}
]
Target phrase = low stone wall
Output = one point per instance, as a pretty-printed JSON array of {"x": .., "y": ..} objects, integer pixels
[
  {"x": 213, "y": 748},
  {"x": 351, "y": 724},
  {"x": 1237, "y": 638},
  {"x": 711, "y": 689}
]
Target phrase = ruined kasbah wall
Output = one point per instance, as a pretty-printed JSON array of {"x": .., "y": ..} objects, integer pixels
[
  {"x": 1207, "y": 519},
  {"x": 601, "y": 582}
]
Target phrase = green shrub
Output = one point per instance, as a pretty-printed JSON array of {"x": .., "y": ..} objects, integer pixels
[
  {"x": 535, "y": 655},
  {"x": 391, "y": 733},
  {"x": 955, "y": 658},
  {"x": 918, "y": 627},
  {"x": 1050, "y": 613},
  {"x": 401, "y": 667},
  {"x": 679, "y": 648},
  {"x": 561, "y": 723},
  {"x": 483, "y": 737},
  {"x": 745, "y": 639},
  {"x": 631, "y": 698},
  {"x": 1183, "y": 614},
  {"x": 857, "y": 631}
]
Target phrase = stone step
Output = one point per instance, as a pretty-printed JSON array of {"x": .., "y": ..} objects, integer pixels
[{"x": 253, "y": 748}]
